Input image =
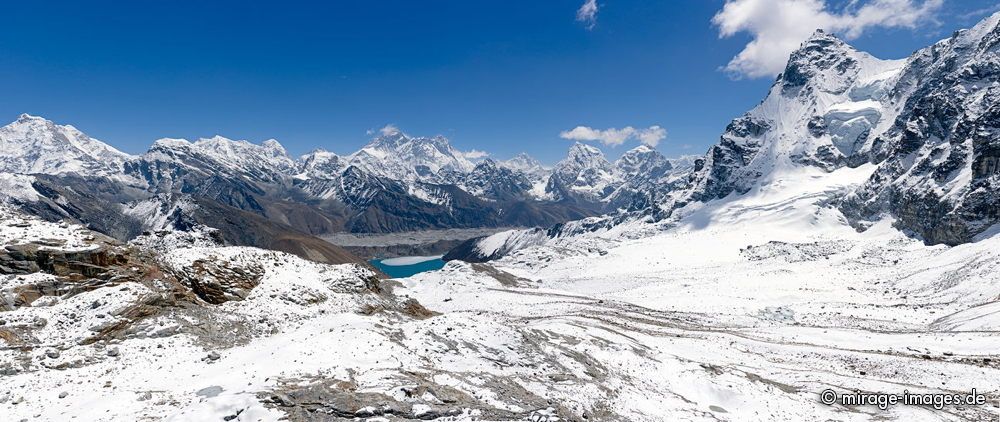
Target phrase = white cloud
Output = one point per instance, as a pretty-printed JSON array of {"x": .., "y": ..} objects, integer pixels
[
  {"x": 475, "y": 154},
  {"x": 587, "y": 13},
  {"x": 651, "y": 136},
  {"x": 614, "y": 137},
  {"x": 778, "y": 27},
  {"x": 389, "y": 129}
]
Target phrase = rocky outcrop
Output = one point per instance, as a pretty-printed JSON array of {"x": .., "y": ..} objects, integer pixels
[
  {"x": 219, "y": 282},
  {"x": 938, "y": 168},
  {"x": 34, "y": 257}
]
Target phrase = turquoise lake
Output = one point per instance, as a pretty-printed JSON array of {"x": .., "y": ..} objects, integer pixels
[{"x": 406, "y": 270}]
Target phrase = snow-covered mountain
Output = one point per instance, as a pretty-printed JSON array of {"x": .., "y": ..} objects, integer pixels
[
  {"x": 727, "y": 320},
  {"x": 585, "y": 175},
  {"x": 490, "y": 180},
  {"x": 33, "y": 145},
  {"x": 321, "y": 164},
  {"x": 267, "y": 162},
  {"x": 926, "y": 122},
  {"x": 821, "y": 111},
  {"x": 400, "y": 157},
  {"x": 527, "y": 165},
  {"x": 642, "y": 162},
  {"x": 395, "y": 183}
]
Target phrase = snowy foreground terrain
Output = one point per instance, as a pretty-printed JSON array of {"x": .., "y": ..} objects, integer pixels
[{"x": 744, "y": 308}]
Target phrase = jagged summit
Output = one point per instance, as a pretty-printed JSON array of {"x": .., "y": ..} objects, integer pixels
[
  {"x": 825, "y": 61},
  {"x": 321, "y": 163},
  {"x": 490, "y": 180},
  {"x": 25, "y": 117},
  {"x": 584, "y": 175},
  {"x": 582, "y": 149}
]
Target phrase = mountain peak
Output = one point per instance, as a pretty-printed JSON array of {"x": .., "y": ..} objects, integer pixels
[
  {"x": 583, "y": 156},
  {"x": 486, "y": 163},
  {"x": 823, "y": 39},
  {"x": 389, "y": 139},
  {"x": 825, "y": 59},
  {"x": 642, "y": 159},
  {"x": 526, "y": 164},
  {"x": 32, "y": 144},
  {"x": 217, "y": 139},
  {"x": 25, "y": 117},
  {"x": 579, "y": 148},
  {"x": 399, "y": 156},
  {"x": 643, "y": 148},
  {"x": 820, "y": 34},
  {"x": 273, "y": 145},
  {"x": 171, "y": 143}
]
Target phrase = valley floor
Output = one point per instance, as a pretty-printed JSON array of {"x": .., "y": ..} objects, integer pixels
[{"x": 745, "y": 309}]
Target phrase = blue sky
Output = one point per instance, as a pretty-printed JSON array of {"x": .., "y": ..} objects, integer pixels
[{"x": 499, "y": 76}]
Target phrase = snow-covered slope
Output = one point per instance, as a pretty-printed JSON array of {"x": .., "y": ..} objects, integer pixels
[
  {"x": 745, "y": 309},
  {"x": 794, "y": 295},
  {"x": 927, "y": 123},
  {"x": 32, "y": 145}
]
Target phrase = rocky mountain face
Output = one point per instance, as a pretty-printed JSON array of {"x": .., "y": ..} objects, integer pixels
[
  {"x": 939, "y": 160},
  {"x": 492, "y": 181},
  {"x": 927, "y": 124},
  {"x": 628, "y": 184},
  {"x": 820, "y": 112},
  {"x": 395, "y": 183}
]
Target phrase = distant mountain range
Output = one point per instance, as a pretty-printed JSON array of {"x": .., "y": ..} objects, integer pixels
[{"x": 260, "y": 196}]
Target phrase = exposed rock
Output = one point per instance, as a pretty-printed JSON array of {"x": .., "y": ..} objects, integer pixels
[{"x": 218, "y": 282}]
